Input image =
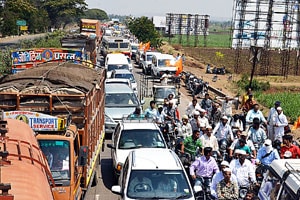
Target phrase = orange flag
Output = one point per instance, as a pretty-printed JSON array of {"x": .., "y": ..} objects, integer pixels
[
  {"x": 296, "y": 124},
  {"x": 147, "y": 46},
  {"x": 179, "y": 66}
]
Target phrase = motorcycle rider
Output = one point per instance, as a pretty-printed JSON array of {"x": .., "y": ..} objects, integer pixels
[
  {"x": 170, "y": 113},
  {"x": 186, "y": 127},
  {"x": 242, "y": 135},
  {"x": 216, "y": 114},
  {"x": 266, "y": 154},
  {"x": 236, "y": 124},
  {"x": 254, "y": 113},
  {"x": 219, "y": 176},
  {"x": 192, "y": 107},
  {"x": 191, "y": 143},
  {"x": 151, "y": 112},
  {"x": 194, "y": 121},
  {"x": 204, "y": 167},
  {"x": 289, "y": 146},
  {"x": 209, "y": 140},
  {"x": 226, "y": 189},
  {"x": 243, "y": 169},
  {"x": 206, "y": 104},
  {"x": 257, "y": 134},
  {"x": 223, "y": 130}
]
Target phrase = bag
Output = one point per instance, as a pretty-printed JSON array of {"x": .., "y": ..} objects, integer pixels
[{"x": 287, "y": 129}]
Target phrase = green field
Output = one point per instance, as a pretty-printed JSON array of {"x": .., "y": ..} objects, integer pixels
[{"x": 220, "y": 40}]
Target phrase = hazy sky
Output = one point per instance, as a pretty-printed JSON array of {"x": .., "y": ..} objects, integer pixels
[{"x": 215, "y": 8}]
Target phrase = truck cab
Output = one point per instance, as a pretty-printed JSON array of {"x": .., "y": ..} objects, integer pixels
[
  {"x": 282, "y": 179},
  {"x": 162, "y": 63}
]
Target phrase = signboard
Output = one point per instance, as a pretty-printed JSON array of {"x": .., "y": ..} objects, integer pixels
[
  {"x": 24, "y": 28},
  {"x": 21, "y": 23},
  {"x": 37, "y": 121},
  {"x": 25, "y": 59}
]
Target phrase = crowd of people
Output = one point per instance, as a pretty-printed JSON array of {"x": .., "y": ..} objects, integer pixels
[{"x": 250, "y": 139}]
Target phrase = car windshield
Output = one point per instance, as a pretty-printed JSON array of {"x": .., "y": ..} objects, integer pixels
[
  {"x": 141, "y": 138},
  {"x": 161, "y": 93},
  {"x": 134, "y": 47},
  {"x": 113, "y": 67},
  {"x": 149, "y": 57},
  {"x": 126, "y": 76},
  {"x": 158, "y": 184},
  {"x": 166, "y": 62},
  {"x": 120, "y": 99}
]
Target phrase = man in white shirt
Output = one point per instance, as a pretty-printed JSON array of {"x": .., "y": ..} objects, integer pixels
[
  {"x": 243, "y": 169},
  {"x": 226, "y": 108},
  {"x": 192, "y": 107},
  {"x": 223, "y": 130},
  {"x": 164, "y": 79},
  {"x": 280, "y": 122},
  {"x": 271, "y": 120},
  {"x": 209, "y": 140},
  {"x": 218, "y": 177}
]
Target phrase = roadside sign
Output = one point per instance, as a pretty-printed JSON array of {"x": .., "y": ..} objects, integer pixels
[
  {"x": 24, "y": 28},
  {"x": 21, "y": 23}
]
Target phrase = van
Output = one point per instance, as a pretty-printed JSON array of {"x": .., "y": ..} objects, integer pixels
[
  {"x": 115, "y": 61},
  {"x": 162, "y": 63}
]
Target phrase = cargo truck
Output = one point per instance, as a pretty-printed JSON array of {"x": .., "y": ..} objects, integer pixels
[
  {"x": 64, "y": 105},
  {"x": 91, "y": 27}
]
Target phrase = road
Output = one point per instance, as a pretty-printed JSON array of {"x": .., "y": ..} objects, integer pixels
[
  {"x": 105, "y": 177},
  {"x": 13, "y": 41}
]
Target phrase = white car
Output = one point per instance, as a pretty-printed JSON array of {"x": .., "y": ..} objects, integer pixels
[
  {"x": 134, "y": 134},
  {"x": 153, "y": 174},
  {"x": 125, "y": 74},
  {"x": 162, "y": 63}
]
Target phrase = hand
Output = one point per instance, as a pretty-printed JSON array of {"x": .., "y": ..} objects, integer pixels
[{"x": 193, "y": 177}]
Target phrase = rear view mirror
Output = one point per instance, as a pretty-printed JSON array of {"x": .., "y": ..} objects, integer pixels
[{"x": 83, "y": 155}]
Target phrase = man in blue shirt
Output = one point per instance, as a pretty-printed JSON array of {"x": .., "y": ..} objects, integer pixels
[{"x": 266, "y": 154}]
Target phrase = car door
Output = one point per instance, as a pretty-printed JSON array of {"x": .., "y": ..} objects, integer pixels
[{"x": 115, "y": 141}]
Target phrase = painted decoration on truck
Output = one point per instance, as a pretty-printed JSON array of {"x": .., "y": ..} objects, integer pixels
[
  {"x": 37, "y": 121},
  {"x": 24, "y": 59}
]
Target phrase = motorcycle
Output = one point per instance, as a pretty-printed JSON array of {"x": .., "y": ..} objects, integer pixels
[
  {"x": 204, "y": 193},
  {"x": 223, "y": 146},
  {"x": 260, "y": 170},
  {"x": 170, "y": 132}
]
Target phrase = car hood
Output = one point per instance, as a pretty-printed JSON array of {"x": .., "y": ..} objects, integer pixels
[
  {"x": 167, "y": 68},
  {"x": 117, "y": 113}
]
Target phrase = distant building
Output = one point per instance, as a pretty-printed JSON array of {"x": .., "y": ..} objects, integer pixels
[{"x": 159, "y": 22}]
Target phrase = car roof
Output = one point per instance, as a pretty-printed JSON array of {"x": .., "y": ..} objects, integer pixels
[
  {"x": 164, "y": 56},
  {"x": 117, "y": 80},
  {"x": 138, "y": 124},
  {"x": 122, "y": 71},
  {"x": 117, "y": 88},
  {"x": 155, "y": 159}
]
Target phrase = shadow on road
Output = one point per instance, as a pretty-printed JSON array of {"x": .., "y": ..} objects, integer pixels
[{"x": 107, "y": 173}]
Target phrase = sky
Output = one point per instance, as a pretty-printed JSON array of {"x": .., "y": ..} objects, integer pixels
[{"x": 217, "y": 9}]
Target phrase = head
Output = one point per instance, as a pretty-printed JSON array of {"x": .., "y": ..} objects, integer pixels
[
  {"x": 287, "y": 139},
  {"x": 196, "y": 134},
  {"x": 160, "y": 108},
  {"x": 170, "y": 96},
  {"x": 152, "y": 104},
  {"x": 279, "y": 110},
  {"x": 166, "y": 100},
  {"x": 207, "y": 152},
  {"x": 202, "y": 112},
  {"x": 250, "y": 195},
  {"x": 224, "y": 165},
  {"x": 185, "y": 119},
  {"x": 227, "y": 98},
  {"x": 196, "y": 114},
  {"x": 206, "y": 96},
  {"x": 208, "y": 131},
  {"x": 255, "y": 107},
  {"x": 227, "y": 174},
  {"x": 241, "y": 155},
  {"x": 242, "y": 142},
  {"x": 256, "y": 123},
  {"x": 167, "y": 72},
  {"x": 235, "y": 117},
  {"x": 138, "y": 110},
  {"x": 249, "y": 90},
  {"x": 224, "y": 120},
  {"x": 268, "y": 145},
  {"x": 277, "y": 104},
  {"x": 243, "y": 135},
  {"x": 194, "y": 102}
]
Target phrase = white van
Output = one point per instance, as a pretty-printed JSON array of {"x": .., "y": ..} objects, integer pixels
[
  {"x": 115, "y": 61},
  {"x": 162, "y": 63}
]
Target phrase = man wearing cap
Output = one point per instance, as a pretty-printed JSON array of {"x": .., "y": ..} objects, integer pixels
[
  {"x": 186, "y": 127},
  {"x": 203, "y": 121},
  {"x": 256, "y": 134},
  {"x": 243, "y": 169},
  {"x": 280, "y": 122},
  {"x": 194, "y": 121},
  {"x": 223, "y": 130},
  {"x": 219, "y": 176},
  {"x": 289, "y": 146},
  {"x": 271, "y": 120},
  {"x": 192, "y": 107},
  {"x": 255, "y": 113},
  {"x": 209, "y": 140},
  {"x": 266, "y": 154},
  {"x": 206, "y": 104},
  {"x": 204, "y": 167},
  {"x": 226, "y": 189}
]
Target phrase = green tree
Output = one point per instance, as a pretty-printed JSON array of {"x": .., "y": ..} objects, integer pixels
[
  {"x": 95, "y": 14},
  {"x": 144, "y": 30},
  {"x": 61, "y": 12}
]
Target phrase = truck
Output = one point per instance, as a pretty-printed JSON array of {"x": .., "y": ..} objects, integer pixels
[
  {"x": 64, "y": 104},
  {"x": 25, "y": 174},
  {"x": 91, "y": 27}
]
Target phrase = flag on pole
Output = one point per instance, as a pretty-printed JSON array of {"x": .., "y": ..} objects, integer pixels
[
  {"x": 179, "y": 66},
  {"x": 147, "y": 46}
]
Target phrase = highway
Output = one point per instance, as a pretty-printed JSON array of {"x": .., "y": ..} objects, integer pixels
[{"x": 105, "y": 175}]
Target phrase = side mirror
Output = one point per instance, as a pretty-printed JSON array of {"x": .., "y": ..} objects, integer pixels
[
  {"x": 83, "y": 155},
  {"x": 116, "y": 189},
  {"x": 111, "y": 146}
]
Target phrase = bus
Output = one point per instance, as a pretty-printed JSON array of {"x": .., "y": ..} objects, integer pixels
[{"x": 111, "y": 44}]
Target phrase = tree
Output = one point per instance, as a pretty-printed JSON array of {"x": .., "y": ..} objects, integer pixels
[
  {"x": 144, "y": 30},
  {"x": 95, "y": 14},
  {"x": 61, "y": 12}
]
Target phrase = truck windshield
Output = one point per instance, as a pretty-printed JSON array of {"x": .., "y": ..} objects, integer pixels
[
  {"x": 115, "y": 66},
  {"x": 57, "y": 153},
  {"x": 161, "y": 93},
  {"x": 166, "y": 63}
]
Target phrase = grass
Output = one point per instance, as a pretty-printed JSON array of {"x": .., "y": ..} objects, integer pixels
[
  {"x": 290, "y": 102},
  {"x": 212, "y": 40}
]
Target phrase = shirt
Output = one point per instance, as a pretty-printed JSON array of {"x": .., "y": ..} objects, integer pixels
[
  {"x": 238, "y": 124},
  {"x": 226, "y": 108},
  {"x": 227, "y": 192},
  {"x": 293, "y": 149},
  {"x": 216, "y": 179},
  {"x": 203, "y": 167},
  {"x": 206, "y": 104},
  {"x": 151, "y": 113},
  {"x": 243, "y": 172},
  {"x": 272, "y": 116},
  {"x": 190, "y": 145},
  {"x": 223, "y": 131},
  {"x": 267, "y": 160},
  {"x": 235, "y": 144},
  {"x": 186, "y": 130},
  {"x": 281, "y": 122},
  {"x": 191, "y": 108},
  {"x": 258, "y": 136},
  {"x": 252, "y": 114},
  {"x": 210, "y": 142}
]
